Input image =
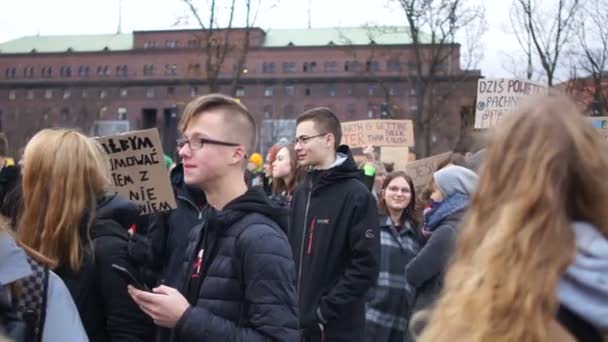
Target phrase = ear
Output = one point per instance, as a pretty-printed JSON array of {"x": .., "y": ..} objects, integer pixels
[
  {"x": 330, "y": 140},
  {"x": 239, "y": 155}
]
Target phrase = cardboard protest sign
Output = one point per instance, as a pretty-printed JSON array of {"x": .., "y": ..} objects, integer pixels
[
  {"x": 498, "y": 97},
  {"x": 422, "y": 170},
  {"x": 601, "y": 124},
  {"x": 378, "y": 133},
  {"x": 396, "y": 155},
  {"x": 138, "y": 170}
]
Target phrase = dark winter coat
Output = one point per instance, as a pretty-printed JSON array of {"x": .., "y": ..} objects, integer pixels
[
  {"x": 107, "y": 311},
  {"x": 246, "y": 278},
  {"x": 390, "y": 301},
  {"x": 336, "y": 244},
  {"x": 169, "y": 231},
  {"x": 425, "y": 272}
]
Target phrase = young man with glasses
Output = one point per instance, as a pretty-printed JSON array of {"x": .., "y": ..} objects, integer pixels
[
  {"x": 237, "y": 278},
  {"x": 333, "y": 233}
]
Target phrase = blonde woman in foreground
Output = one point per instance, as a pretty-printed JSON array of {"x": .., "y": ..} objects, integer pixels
[{"x": 531, "y": 263}]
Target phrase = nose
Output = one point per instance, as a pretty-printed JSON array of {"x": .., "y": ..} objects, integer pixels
[
  {"x": 184, "y": 151},
  {"x": 297, "y": 147}
]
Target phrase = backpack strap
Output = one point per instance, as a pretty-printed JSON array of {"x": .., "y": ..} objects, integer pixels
[
  {"x": 32, "y": 300},
  {"x": 241, "y": 226}
]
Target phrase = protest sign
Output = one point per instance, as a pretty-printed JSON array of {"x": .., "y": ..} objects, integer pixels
[
  {"x": 138, "y": 170},
  {"x": 498, "y": 97},
  {"x": 396, "y": 155},
  {"x": 378, "y": 133},
  {"x": 422, "y": 170},
  {"x": 601, "y": 124}
]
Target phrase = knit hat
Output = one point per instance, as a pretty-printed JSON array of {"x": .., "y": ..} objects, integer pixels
[
  {"x": 257, "y": 159},
  {"x": 456, "y": 179}
]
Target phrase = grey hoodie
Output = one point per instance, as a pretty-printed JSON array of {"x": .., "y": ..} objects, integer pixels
[
  {"x": 62, "y": 322},
  {"x": 583, "y": 289}
]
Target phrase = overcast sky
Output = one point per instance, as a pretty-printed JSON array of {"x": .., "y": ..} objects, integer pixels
[{"x": 51, "y": 17}]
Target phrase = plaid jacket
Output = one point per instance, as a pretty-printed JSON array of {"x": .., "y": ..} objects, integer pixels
[{"x": 391, "y": 301}]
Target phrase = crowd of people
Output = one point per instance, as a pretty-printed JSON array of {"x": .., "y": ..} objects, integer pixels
[{"x": 508, "y": 242}]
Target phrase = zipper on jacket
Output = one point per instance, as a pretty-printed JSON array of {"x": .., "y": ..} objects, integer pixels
[
  {"x": 200, "y": 211},
  {"x": 311, "y": 236},
  {"x": 303, "y": 238}
]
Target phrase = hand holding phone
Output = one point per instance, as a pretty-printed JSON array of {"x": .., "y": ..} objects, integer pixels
[{"x": 129, "y": 278}]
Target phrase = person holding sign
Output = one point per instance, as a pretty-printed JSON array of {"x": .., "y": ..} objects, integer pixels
[
  {"x": 70, "y": 218},
  {"x": 334, "y": 233},
  {"x": 237, "y": 281}
]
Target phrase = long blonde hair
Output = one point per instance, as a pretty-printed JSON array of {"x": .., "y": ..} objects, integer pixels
[
  {"x": 64, "y": 174},
  {"x": 545, "y": 168}
]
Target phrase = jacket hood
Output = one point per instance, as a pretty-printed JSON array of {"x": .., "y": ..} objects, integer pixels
[
  {"x": 13, "y": 260},
  {"x": 456, "y": 179},
  {"x": 254, "y": 201},
  {"x": 584, "y": 287},
  {"x": 117, "y": 208},
  {"x": 344, "y": 167}
]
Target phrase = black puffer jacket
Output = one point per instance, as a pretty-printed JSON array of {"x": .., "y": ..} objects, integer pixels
[
  {"x": 335, "y": 239},
  {"x": 169, "y": 231},
  {"x": 107, "y": 311},
  {"x": 247, "y": 278}
]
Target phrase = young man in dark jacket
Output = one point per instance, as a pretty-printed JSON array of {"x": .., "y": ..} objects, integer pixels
[
  {"x": 333, "y": 233},
  {"x": 237, "y": 279}
]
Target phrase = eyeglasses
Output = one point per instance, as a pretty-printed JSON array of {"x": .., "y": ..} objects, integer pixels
[
  {"x": 198, "y": 143},
  {"x": 304, "y": 140}
]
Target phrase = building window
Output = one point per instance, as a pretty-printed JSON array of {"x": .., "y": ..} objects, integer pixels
[
  {"x": 30, "y": 94},
  {"x": 103, "y": 70},
  {"x": 393, "y": 90},
  {"x": 123, "y": 92},
  {"x": 393, "y": 65},
  {"x": 268, "y": 91},
  {"x": 267, "y": 112},
  {"x": 121, "y": 70},
  {"x": 268, "y": 68},
  {"x": 350, "y": 89},
  {"x": 148, "y": 69},
  {"x": 372, "y": 66},
  {"x": 330, "y": 90},
  {"x": 194, "y": 69},
  {"x": 66, "y": 94},
  {"x": 48, "y": 93},
  {"x": 413, "y": 92},
  {"x": 122, "y": 113},
  {"x": 194, "y": 43},
  {"x": 289, "y": 110},
  {"x": 193, "y": 91},
  {"x": 290, "y": 90},
  {"x": 28, "y": 72},
  {"x": 47, "y": 72},
  {"x": 12, "y": 95},
  {"x": 240, "y": 92},
  {"x": 149, "y": 44},
  {"x": 171, "y": 44},
  {"x": 102, "y": 94},
  {"x": 65, "y": 115},
  {"x": 171, "y": 91},
  {"x": 352, "y": 66},
  {"x": 309, "y": 67},
  {"x": 371, "y": 89},
  {"x": 150, "y": 93},
  {"x": 308, "y": 90},
  {"x": 84, "y": 93},
  {"x": 65, "y": 71},
  {"x": 289, "y": 67},
  {"x": 83, "y": 71},
  {"x": 370, "y": 110},
  {"x": 171, "y": 69},
  {"x": 330, "y": 66},
  {"x": 11, "y": 72},
  {"x": 351, "y": 109},
  {"x": 413, "y": 109}
]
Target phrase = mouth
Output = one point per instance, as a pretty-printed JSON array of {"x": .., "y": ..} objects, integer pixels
[{"x": 189, "y": 166}]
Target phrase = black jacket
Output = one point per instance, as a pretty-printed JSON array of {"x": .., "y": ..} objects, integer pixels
[
  {"x": 334, "y": 236},
  {"x": 10, "y": 193},
  {"x": 169, "y": 230},
  {"x": 107, "y": 311},
  {"x": 247, "y": 277},
  {"x": 425, "y": 272}
]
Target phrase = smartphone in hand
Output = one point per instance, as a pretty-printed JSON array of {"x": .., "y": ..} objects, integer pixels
[{"x": 129, "y": 278}]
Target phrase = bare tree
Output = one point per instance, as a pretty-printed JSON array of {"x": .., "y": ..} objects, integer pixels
[
  {"x": 592, "y": 36},
  {"x": 217, "y": 40},
  {"x": 544, "y": 34},
  {"x": 433, "y": 27}
]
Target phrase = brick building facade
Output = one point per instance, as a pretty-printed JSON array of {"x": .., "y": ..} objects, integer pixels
[{"x": 146, "y": 78}]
